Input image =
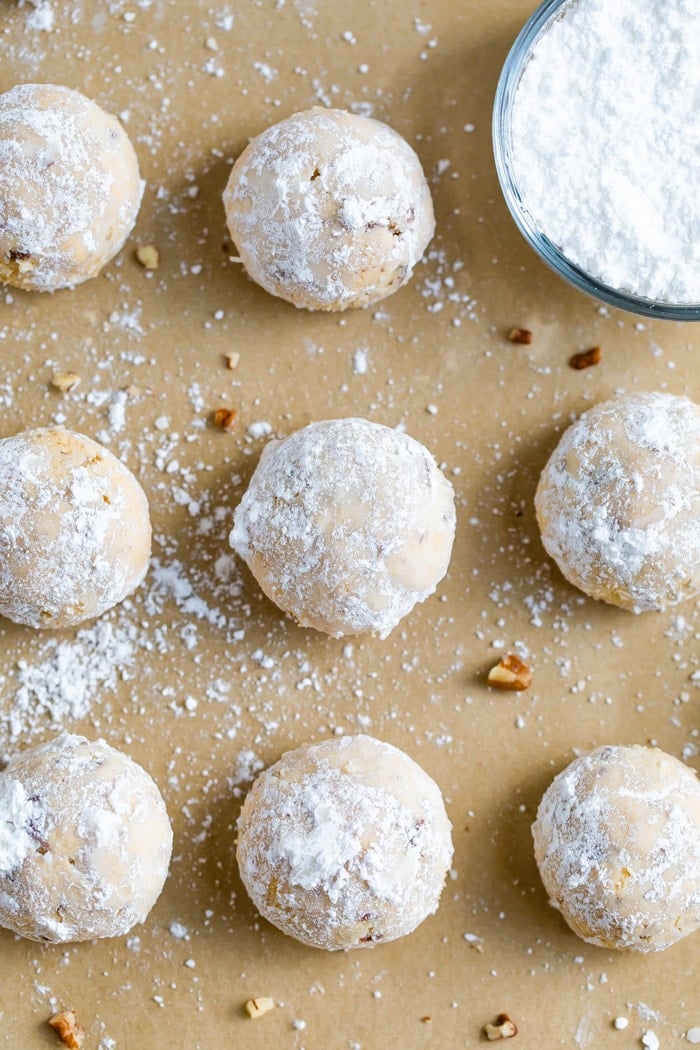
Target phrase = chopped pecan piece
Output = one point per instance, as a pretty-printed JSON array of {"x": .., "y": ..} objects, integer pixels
[
  {"x": 502, "y": 1028},
  {"x": 68, "y": 1029},
  {"x": 510, "y": 673},
  {"x": 257, "y": 1007},
  {"x": 65, "y": 381},
  {"x": 148, "y": 256},
  {"x": 586, "y": 359},
  {"x": 224, "y": 418}
]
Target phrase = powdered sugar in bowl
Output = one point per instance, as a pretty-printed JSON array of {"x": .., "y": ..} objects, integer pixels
[{"x": 596, "y": 136}]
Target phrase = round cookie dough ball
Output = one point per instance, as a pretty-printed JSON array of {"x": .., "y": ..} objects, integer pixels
[
  {"x": 618, "y": 503},
  {"x": 346, "y": 524},
  {"x": 345, "y": 843},
  {"x": 70, "y": 187},
  {"x": 85, "y": 842},
  {"x": 617, "y": 842},
  {"x": 75, "y": 534},
  {"x": 329, "y": 210}
]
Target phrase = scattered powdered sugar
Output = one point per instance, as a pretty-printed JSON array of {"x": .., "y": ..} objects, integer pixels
[
  {"x": 260, "y": 428},
  {"x": 246, "y": 767},
  {"x": 172, "y": 580},
  {"x": 265, "y": 70},
  {"x": 63, "y": 685},
  {"x": 648, "y": 1013},
  {"x": 42, "y": 17},
  {"x": 178, "y": 930},
  {"x": 359, "y": 361},
  {"x": 606, "y": 142}
]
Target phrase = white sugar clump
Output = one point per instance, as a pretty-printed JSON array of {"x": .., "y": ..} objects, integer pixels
[
  {"x": 329, "y": 210},
  {"x": 606, "y": 142},
  {"x": 617, "y": 843},
  {"x": 70, "y": 188},
  {"x": 85, "y": 842},
  {"x": 75, "y": 532},
  {"x": 618, "y": 503},
  {"x": 345, "y": 843},
  {"x": 346, "y": 524}
]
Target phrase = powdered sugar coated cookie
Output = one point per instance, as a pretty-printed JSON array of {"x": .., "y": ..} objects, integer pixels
[
  {"x": 70, "y": 187},
  {"x": 617, "y": 842},
  {"x": 345, "y": 843},
  {"x": 346, "y": 524},
  {"x": 618, "y": 503},
  {"x": 75, "y": 532},
  {"x": 329, "y": 210},
  {"x": 85, "y": 842}
]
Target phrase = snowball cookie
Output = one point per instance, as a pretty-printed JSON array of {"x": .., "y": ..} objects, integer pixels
[
  {"x": 70, "y": 188},
  {"x": 85, "y": 842},
  {"x": 617, "y": 842},
  {"x": 75, "y": 535},
  {"x": 329, "y": 210},
  {"x": 346, "y": 524},
  {"x": 344, "y": 843},
  {"x": 618, "y": 503}
]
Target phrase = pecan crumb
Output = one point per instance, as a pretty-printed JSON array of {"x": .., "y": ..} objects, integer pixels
[
  {"x": 149, "y": 256},
  {"x": 257, "y": 1007},
  {"x": 224, "y": 418},
  {"x": 68, "y": 1029},
  {"x": 510, "y": 673},
  {"x": 520, "y": 335},
  {"x": 65, "y": 381},
  {"x": 23, "y": 260},
  {"x": 586, "y": 359},
  {"x": 134, "y": 390},
  {"x": 232, "y": 360},
  {"x": 426, "y": 1019},
  {"x": 502, "y": 1028}
]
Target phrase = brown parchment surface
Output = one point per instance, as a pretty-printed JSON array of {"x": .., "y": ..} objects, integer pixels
[{"x": 196, "y": 86}]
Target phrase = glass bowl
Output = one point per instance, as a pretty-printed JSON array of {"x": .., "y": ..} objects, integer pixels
[{"x": 509, "y": 80}]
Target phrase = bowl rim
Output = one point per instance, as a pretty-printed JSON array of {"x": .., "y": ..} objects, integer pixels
[{"x": 501, "y": 133}]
